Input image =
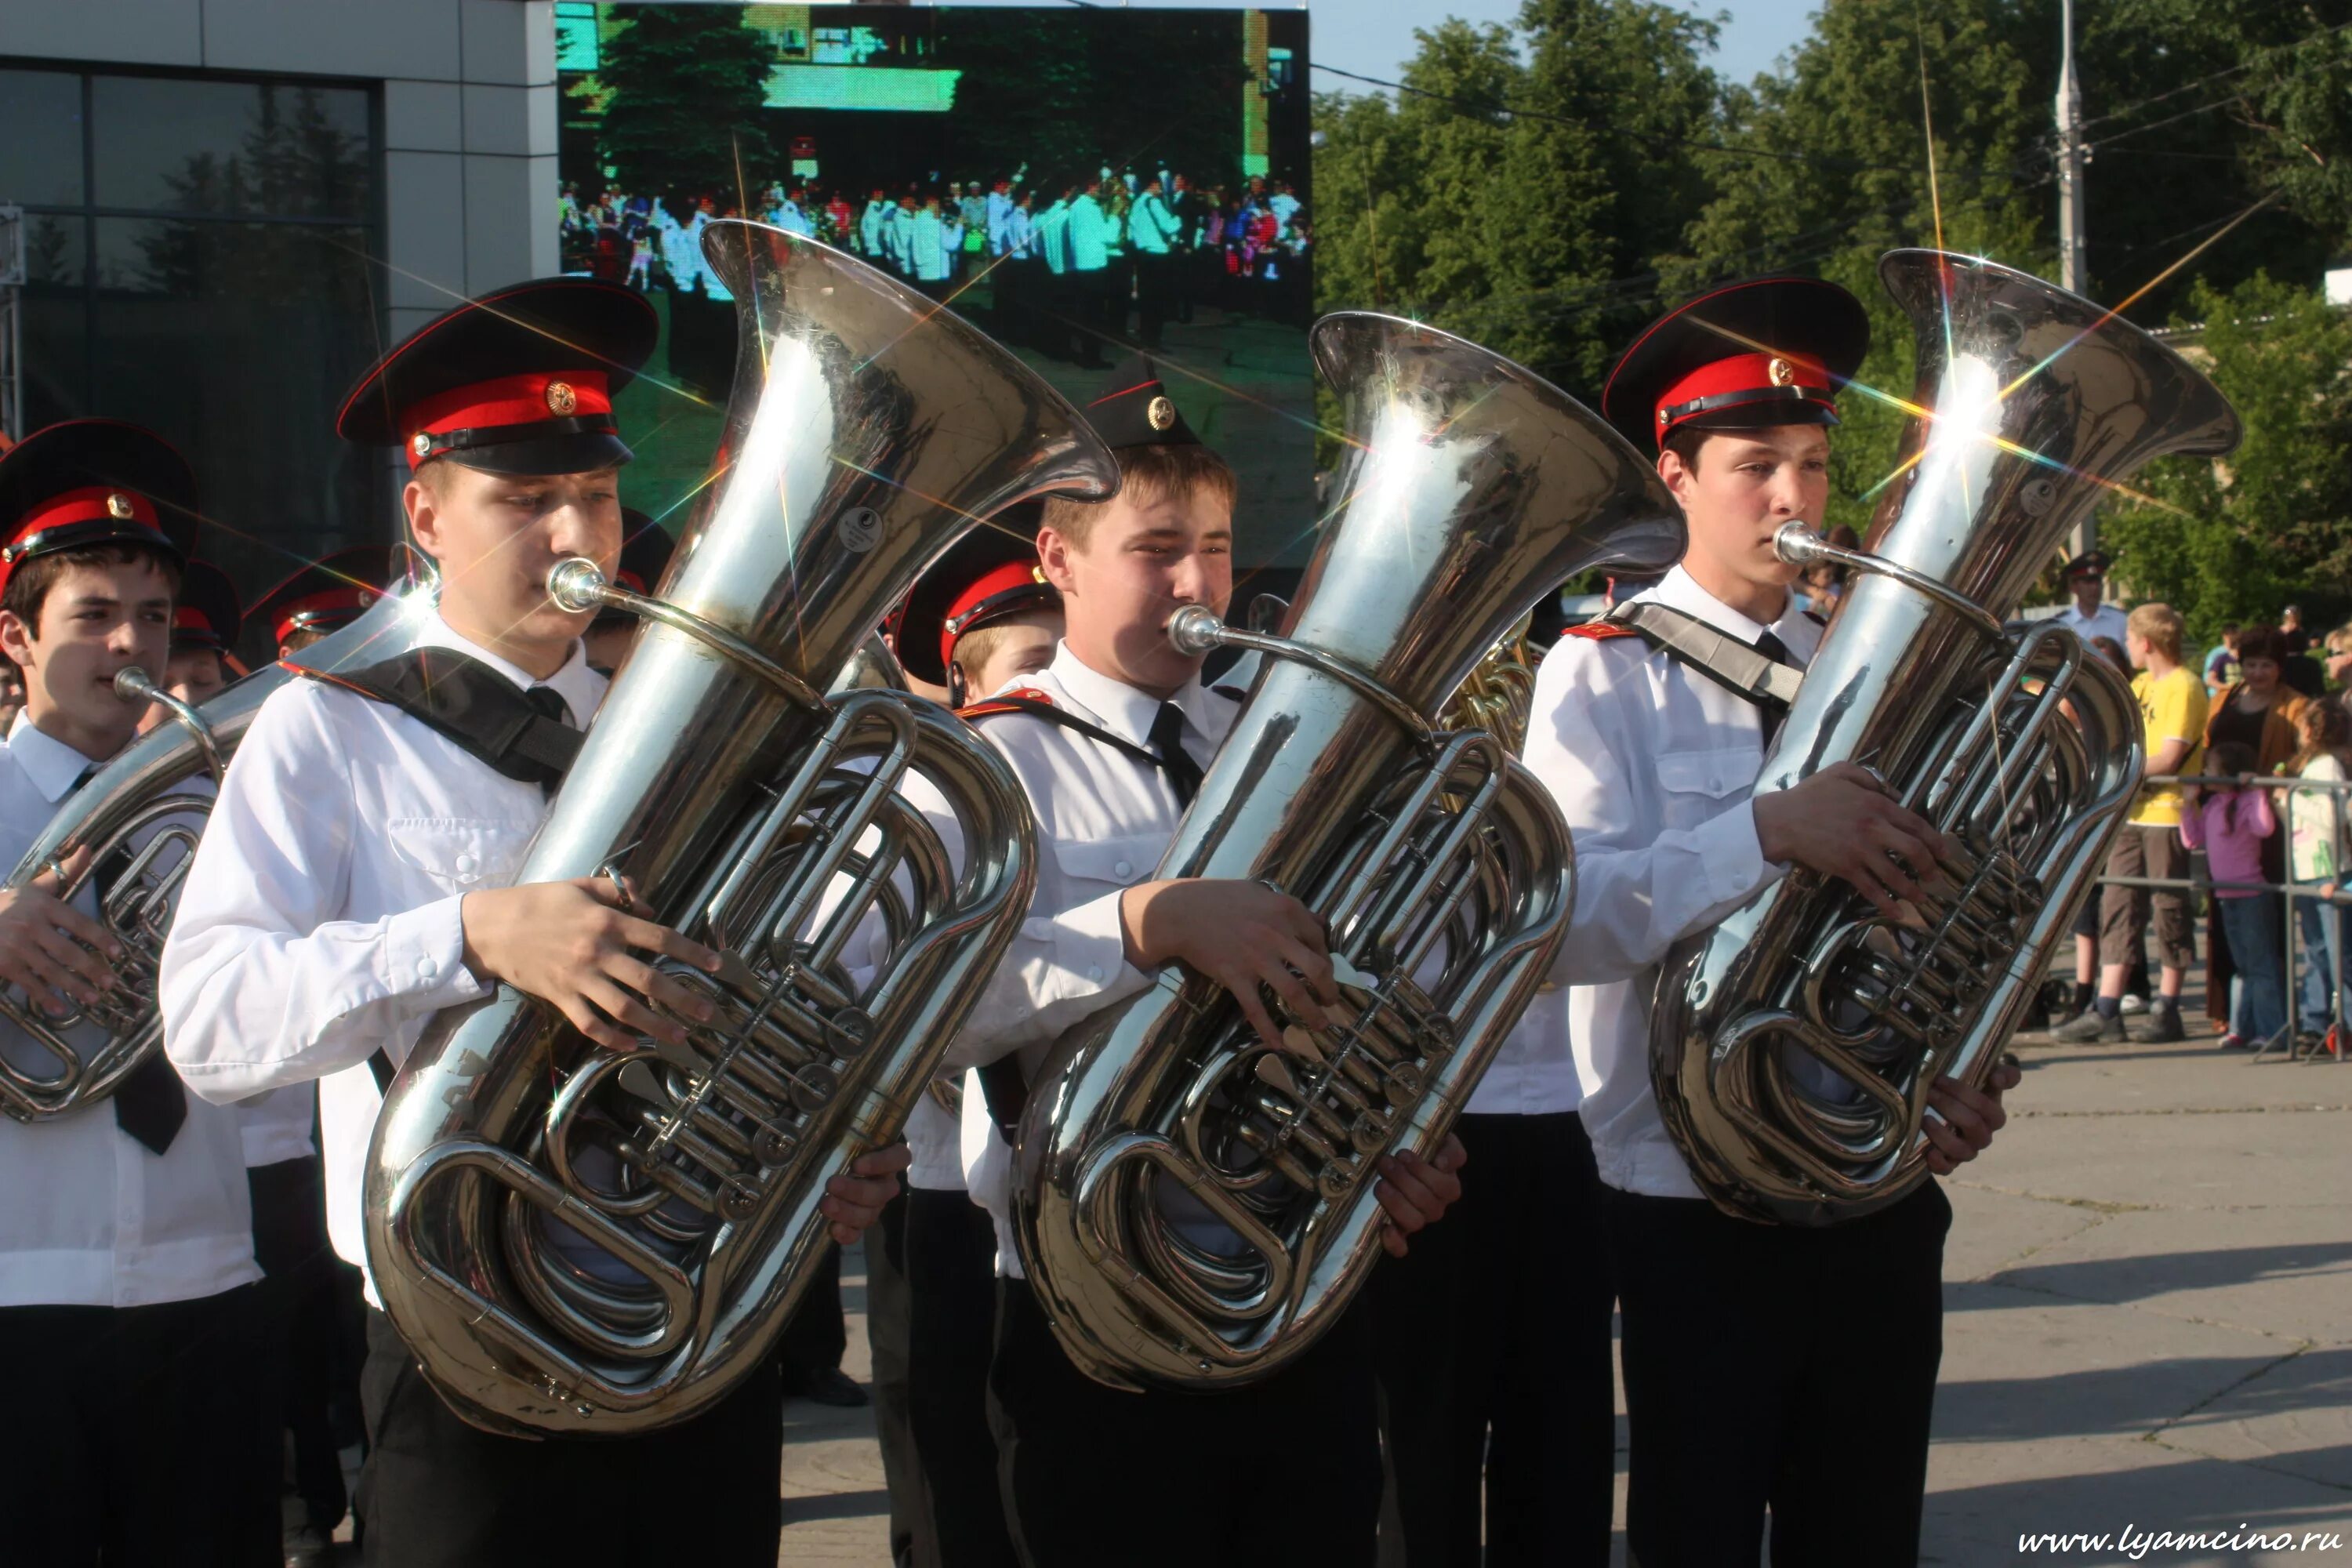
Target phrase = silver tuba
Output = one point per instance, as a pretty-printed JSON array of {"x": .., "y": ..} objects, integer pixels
[
  {"x": 140, "y": 818},
  {"x": 1792, "y": 1045},
  {"x": 1441, "y": 866},
  {"x": 582, "y": 1242}
]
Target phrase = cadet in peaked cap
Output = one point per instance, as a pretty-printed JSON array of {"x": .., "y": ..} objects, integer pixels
[
  {"x": 326, "y": 595},
  {"x": 990, "y": 577}
]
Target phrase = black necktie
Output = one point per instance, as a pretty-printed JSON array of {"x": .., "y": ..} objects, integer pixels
[
  {"x": 549, "y": 705},
  {"x": 1776, "y": 651},
  {"x": 1168, "y": 740},
  {"x": 150, "y": 1103}
]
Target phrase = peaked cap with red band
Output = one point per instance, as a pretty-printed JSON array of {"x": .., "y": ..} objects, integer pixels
[
  {"x": 94, "y": 481},
  {"x": 208, "y": 613},
  {"x": 988, "y": 576},
  {"x": 1771, "y": 350},
  {"x": 1134, "y": 409},
  {"x": 330, "y": 592},
  {"x": 521, "y": 381}
]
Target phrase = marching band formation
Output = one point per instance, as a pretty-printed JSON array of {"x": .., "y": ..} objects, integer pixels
[{"x": 1263, "y": 1098}]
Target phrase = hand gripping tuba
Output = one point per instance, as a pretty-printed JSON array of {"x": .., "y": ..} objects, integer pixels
[
  {"x": 1470, "y": 489},
  {"x": 577, "y": 1241},
  {"x": 1792, "y": 1045},
  {"x": 139, "y": 817}
]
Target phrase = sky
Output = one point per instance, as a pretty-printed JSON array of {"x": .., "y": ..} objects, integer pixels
[{"x": 1373, "y": 38}]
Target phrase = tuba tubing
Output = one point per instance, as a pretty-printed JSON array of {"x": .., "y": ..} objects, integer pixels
[{"x": 1792, "y": 1045}]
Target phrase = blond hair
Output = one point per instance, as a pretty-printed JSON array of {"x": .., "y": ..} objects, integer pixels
[
  {"x": 2159, "y": 627},
  {"x": 1147, "y": 474}
]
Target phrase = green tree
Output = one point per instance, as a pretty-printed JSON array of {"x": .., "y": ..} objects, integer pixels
[
  {"x": 1839, "y": 174},
  {"x": 1510, "y": 189},
  {"x": 689, "y": 86},
  {"x": 2234, "y": 540}
]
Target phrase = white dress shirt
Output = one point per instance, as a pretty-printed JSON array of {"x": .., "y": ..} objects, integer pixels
[
  {"x": 1653, "y": 765},
  {"x": 2106, "y": 621},
  {"x": 321, "y": 922},
  {"x": 277, "y": 1125},
  {"x": 90, "y": 1216},
  {"x": 1104, "y": 819}
]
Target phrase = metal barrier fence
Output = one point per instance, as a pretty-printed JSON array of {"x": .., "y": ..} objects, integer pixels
[{"x": 2293, "y": 892}]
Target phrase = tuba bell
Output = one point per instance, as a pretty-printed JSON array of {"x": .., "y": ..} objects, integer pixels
[
  {"x": 139, "y": 817},
  {"x": 1440, "y": 865},
  {"x": 582, "y": 1242},
  {"x": 1792, "y": 1046}
]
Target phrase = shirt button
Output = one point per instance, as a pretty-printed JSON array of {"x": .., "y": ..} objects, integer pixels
[
  {"x": 467, "y": 862},
  {"x": 426, "y": 968},
  {"x": 1094, "y": 973},
  {"x": 1122, "y": 869}
]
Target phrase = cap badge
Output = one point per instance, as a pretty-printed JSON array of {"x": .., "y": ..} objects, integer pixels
[
  {"x": 421, "y": 444},
  {"x": 118, "y": 506},
  {"x": 1782, "y": 372},
  {"x": 1161, "y": 414},
  {"x": 560, "y": 398}
]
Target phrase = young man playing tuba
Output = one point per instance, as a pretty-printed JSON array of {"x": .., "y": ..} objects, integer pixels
[{"x": 1739, "y": 1340}]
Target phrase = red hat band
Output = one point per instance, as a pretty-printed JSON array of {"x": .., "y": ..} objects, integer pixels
[
  {"x": 322, "y": 611},
  {"x": 1014, "y": 587},
  {"x": 94, "y": 514},
  {"x": 507, "y": 408},
  {"x": 1741, "y": 380}
]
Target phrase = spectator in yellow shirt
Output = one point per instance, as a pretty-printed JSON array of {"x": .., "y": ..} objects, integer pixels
[{"x": 2172, "y": 713}]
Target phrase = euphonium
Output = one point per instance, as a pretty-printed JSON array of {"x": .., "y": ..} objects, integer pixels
[
  {"x": 1441, "y": 866},
  {"x": 1792, "y": 1046},
  {"x": 577, "y": 1241},
  {"x": 139, "y": 816}
]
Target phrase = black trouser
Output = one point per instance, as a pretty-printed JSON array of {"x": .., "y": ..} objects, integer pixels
[
  {"x": 914, "y": 1542},
  {"x": 1781, "y": 1368},
  {"x": 301, "y": 1309},
  {"x": 439, "y": 1493},
  {"x": 951, "y": 1279},
  {"x": 131, "y": 1436},
  {"x": 1282, "y": 1472},
  {"x": 1153, "y": 289},
  {"x": 1494, "y": 1348},
  {"x": 816, "y": 1336}
]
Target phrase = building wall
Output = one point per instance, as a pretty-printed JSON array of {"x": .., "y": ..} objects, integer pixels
[{"x": 469, "y": 110}]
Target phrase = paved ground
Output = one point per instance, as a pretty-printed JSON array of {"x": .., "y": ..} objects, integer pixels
[{"x": 2150, "y": 1323}]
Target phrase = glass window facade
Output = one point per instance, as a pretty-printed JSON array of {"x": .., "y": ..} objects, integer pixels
[{"x": 204, "y": 259}]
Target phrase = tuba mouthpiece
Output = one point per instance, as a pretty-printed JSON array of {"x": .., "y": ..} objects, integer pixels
[
  {"x": 1195, "y": 630},
  {"x": 577, "y": 585},
  {"x": 133, "y": 684}
]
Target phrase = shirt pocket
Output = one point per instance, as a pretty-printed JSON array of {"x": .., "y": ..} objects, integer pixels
[
  {"x": 1694, "y": 786},
  {"x": 459, "y": 854}
]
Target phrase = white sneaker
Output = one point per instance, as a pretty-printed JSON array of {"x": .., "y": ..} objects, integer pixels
[{"x": 2134, "y": 1004}]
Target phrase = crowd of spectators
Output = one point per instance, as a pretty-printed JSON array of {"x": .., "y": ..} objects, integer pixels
[{"x": 1070, "y": 259}]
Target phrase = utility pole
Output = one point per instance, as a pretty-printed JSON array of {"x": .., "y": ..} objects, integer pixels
[{"x": 2073, "y": 274}]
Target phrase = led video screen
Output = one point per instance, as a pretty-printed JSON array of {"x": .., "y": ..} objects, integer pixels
[{"x": 1081, "y": 184}]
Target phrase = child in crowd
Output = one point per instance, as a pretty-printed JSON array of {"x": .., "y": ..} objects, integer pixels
[
  {"x": 2229, "y": 822},
  {"x": 2317, "y": 853}
]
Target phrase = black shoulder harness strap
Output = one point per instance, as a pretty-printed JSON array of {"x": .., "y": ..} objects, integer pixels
[
  {"x": 1067, "y": 720},
  {"x": 1731, "y": 664},
  {"x": 473, "y": 705}
]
